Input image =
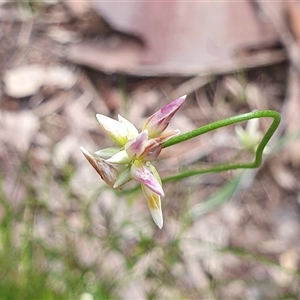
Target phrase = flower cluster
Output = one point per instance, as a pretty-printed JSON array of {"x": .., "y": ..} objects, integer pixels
[{"x": 134, "y": 152}]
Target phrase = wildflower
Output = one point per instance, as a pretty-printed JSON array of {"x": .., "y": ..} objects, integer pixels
[
  {"x": 249, "y": 137},
  {"x": 135, "y": 151}
]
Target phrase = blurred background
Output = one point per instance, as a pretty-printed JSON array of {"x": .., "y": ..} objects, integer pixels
[{"x": 63, "y": 233}]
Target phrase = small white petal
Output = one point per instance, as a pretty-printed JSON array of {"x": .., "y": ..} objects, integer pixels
[
  {"x": 114, "y": 129},
  {"x": 107, "y": 152},
  {"x": 120, "y": 158},
  {"x": 132, "y": 132},
  {"x": 157, "y": 217},
  {"x": 154, "y": 204}
]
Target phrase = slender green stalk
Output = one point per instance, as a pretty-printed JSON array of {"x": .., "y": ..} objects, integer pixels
[
  {"x": 219, "y": 124},
  {"x": 216, "y": 125}
]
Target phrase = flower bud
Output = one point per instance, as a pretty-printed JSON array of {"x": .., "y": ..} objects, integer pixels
[{"x": 160, "y": 120}]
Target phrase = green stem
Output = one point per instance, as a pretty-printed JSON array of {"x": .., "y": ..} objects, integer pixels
[{"x": 222, "y": 123}]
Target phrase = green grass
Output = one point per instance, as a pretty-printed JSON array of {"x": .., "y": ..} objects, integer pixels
[{"x": 52, "y": 266}]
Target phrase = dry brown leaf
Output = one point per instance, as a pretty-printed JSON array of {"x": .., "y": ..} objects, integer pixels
[
  {"x": 293, "y": 10},
  {"x": 64, "y": 150},
  {"x": 26, "y": 80},
  {"x": 283, "y": 176},
  {"x": 62, "y": 35},
  {"x": 23, "y": 81},
  {"x": 18, "y": 129},
  {"x": 179, "y": 37},
  {"x": 117, "y": 54},
  {"x": 78, "y": 8}
]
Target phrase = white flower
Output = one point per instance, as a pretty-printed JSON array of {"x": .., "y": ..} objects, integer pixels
[{"x": 131, "y": 159}]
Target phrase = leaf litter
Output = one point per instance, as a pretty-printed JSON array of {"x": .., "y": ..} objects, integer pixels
[{"x": 48, "y": 103}]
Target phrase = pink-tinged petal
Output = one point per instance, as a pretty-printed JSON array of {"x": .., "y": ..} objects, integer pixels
[
  {"x": 141, "y": 173},
  {"x": 114, "y": 129},
  {"x": 136, "y": 146},
  {"x": 166, "y": 136},
  {"x": 154, "y": 146},
  {"x": 159, "y": 121},
  {"x": 106, "y": 171},
  {"x": 151, "y": 150},
  {"x": 132, "y": 132},
  {"x": 120, "y": 158},
  {"x": 154, "y": 204}
]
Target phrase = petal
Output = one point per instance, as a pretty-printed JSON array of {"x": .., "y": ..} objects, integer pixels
[
  {"x": 250, "y": 137},
  {"x": 154, "y": 172},
  {"x": 136, "y": 146},
  {"x": 107, "y": 172},
  {"x": 166, "y": 136},
  {"x": 252, "y": 126},
  {"x": 114, "y": 129},
  {"x": 154, "y": 204},
  {"x": 124, "y": 177},
  {"x": 151, "y": 150},
  {"x": 120, "y": 158},
  {"x": 159, "y": 121},
  {"x": 141, "y": 173},
  {"x": 154, "y": 146},
  {"x": 107, "y": 152},
  {"x": 132, "y": 132}
]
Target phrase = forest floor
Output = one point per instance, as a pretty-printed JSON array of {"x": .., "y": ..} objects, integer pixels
[{"x": 65, "y": 235}]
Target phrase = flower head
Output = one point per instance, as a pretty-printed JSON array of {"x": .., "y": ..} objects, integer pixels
[{"x": 135, "y": 151}]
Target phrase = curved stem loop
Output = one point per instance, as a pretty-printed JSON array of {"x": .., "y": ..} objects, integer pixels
[{"x": 222, "y": 123}]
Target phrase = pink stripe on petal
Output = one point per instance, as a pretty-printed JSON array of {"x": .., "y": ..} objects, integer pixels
[
  {"x": 160, "y": 120},
  {"x": 136, "y": 146},
  {"x": 151, "y": 150},
  {"x": 142, "y": 173}
]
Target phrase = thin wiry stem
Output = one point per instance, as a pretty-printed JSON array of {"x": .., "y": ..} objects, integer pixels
[
  {"x": 216, "y": 125},
  {"x": 222, "y": 123}
]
